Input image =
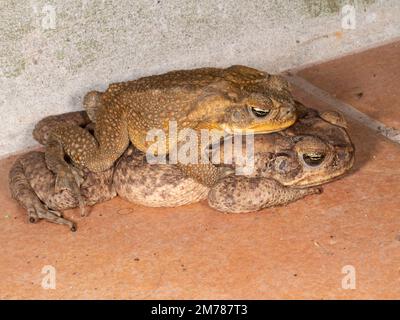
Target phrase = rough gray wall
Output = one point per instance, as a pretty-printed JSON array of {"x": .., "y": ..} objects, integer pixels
[{"x": 53, "y": 51}]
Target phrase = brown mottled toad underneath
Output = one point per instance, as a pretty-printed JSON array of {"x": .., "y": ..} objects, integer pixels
[
  {"x": 231, "y": 99},
  {"x": 288, "y": 166}
]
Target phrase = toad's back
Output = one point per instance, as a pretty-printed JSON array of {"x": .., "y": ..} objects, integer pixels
[{"x": 231, "y": 99}]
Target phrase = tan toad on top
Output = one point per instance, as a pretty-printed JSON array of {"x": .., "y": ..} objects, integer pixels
[{"x": 231, "y": 99}]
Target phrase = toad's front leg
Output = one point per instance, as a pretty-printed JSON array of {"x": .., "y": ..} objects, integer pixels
[
  {"x": 206, "y": 174},
  {"x": 200, "y": 165},
  {"x": 236, "y": 194}
]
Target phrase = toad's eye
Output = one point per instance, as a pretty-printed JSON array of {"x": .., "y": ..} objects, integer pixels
[
  {"x": 260, "y": 113},
  {"x": 313, "y": 159}
]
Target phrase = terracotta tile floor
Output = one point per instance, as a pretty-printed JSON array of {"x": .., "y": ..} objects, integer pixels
[{"x": 297, "y": 251}]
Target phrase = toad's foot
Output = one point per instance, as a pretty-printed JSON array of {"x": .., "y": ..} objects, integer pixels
[
  {"x": 70, "y": 178},
  {"x": 40, "y": 212}
]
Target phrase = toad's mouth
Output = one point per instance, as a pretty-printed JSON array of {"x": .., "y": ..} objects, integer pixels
[{"x": 259, "y": 128}]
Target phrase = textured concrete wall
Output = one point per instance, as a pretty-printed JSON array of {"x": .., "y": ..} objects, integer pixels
[{"x": 52, "y": 52}]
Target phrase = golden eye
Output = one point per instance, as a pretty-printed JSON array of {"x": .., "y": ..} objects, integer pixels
[
  {"x": 260, "y": 113},
  {"x": 313, "y": 159}
]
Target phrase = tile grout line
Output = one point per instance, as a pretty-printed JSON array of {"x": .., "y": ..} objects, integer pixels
[{"x": 347, "y": 109}]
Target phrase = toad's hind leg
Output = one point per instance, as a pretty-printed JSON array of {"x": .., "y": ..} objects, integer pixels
[
  {"x": 93, "y": 102},
  {"x": 97, "y": 153},
  {"x": 67, "y": 177},
  {"x": 236, "y": 194},
  {"x": 44, "y": 127},
  {"x": 22, "y": 191}
]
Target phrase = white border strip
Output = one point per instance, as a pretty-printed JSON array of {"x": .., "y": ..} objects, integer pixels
[
  {"x": 36, "y": 147},
  {"x": 347, "y": 109}
]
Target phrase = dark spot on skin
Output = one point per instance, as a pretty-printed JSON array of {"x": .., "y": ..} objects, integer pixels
[
  {"x": 136, "y": 259},
  {"x": 360, "y": 95}
]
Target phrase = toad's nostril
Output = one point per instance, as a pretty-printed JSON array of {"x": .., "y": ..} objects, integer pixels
[
  {"x": 343, "y": 155},
  {"x": 289, "y": 111},
  {"x": 236, "y": 116}
]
